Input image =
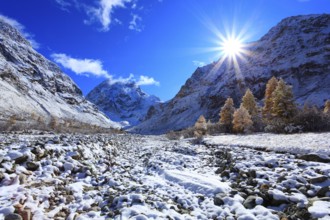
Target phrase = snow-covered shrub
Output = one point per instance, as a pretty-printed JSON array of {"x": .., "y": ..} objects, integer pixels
[
  {"x": 311, "y": 119},
  {"x": 215, "y": 128},
  {"x": 291, "y": 128}
]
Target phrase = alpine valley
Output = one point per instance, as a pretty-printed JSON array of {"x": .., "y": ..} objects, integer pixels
[{"x": 62, "y": 158}]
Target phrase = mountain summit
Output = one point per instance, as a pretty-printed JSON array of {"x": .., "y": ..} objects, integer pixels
[
  {"x": 123, "y": 102},
  {"x": 297, "y": 50},
  {"x": 35, "y": 93}
]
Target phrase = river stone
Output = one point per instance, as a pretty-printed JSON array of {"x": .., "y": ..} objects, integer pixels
[
  {"x": 314, "y": 157},
  {"x": 13, "y": 216},
  {"x": 32, "y": 166},
  {"x": 218, "y": 199},
  {"x": 250, "y": 202}
]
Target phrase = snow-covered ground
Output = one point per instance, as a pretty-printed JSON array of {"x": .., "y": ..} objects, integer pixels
[{"x": 150, "y": 177}]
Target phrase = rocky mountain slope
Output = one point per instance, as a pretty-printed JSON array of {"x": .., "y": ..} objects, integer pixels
[
  {"x": 123, "y": 102},
  {"x": 297, "y": 50},
  {"x": 35, "y": 93}
]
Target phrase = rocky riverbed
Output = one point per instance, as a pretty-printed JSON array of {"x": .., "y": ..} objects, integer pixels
[{"x": 50, "y": 176}]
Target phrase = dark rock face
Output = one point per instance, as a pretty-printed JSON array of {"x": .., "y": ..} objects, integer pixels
[
  {"x": 33, "y": 89},
  {"x": 122, "y": 101},
  {"x": 297, "y": 50}
]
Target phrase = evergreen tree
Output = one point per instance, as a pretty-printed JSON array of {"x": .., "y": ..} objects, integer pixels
[
  {"x": 242, "y": 122},
  {"x": 327, "y": 107},
  {"x": 200, "y": 127},
  {"x": 283, "y": 104},
  {"x": 268, "y": 103},
  {"x": 226, "y": 114}
]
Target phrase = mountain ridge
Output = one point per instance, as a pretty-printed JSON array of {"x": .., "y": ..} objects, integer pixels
[
  {"x": 35, "y": 93},
  {"x": 297, "y": 49}
]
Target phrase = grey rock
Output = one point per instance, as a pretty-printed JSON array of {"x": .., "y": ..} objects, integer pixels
[
  {"x": 250, "y": 202},
  {"x": 314, "y": 157},
  {"x": 32, "y": 166},
  {"x": 324, "y": 191},
  {"x": 218, "y": 199},
  {"x": 21, "y": 159},
  {"x": 319, "y": 179},
  {"x": 13, "y": 216}
]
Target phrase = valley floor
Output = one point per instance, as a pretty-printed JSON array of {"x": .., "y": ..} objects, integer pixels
[{"x": 263, "y": 176}]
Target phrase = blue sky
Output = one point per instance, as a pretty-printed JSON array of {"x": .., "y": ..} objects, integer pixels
[{"x": 157, "y": 43}]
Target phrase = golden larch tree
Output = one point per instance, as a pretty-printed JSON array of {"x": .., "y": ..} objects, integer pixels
[
  {"x": 200, "y": 127},
  {"x": 249, "y": 103},
  {"x": 283, "y": 103},
  {"x": 268, "y": 103},
  {"x": 327, "y": 107},
  {"x": 226, "y": 114},
  {"x": 242, "y": 121}
]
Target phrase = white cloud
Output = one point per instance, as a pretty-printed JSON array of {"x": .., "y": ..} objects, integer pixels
[
  {"x": 146, "y": 80},
  {"x": 199, "y": 63},
  {"x": 141, "y": 81},
  {"x": 91, "y": 67},
  {"x": 85, "y": 67},
  {"x": 21, "y": 29},
  {"x": 134, "y": 23},
  {"x": 103, "y": 13}
]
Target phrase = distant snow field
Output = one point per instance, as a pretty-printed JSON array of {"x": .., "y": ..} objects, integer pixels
[{"x": 291, "y": 143}]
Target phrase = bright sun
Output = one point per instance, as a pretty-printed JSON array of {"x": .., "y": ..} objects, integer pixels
[{"x": 232, "y": 47}]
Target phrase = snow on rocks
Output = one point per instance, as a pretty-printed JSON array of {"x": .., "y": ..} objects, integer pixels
[{"x": 78, "y": 177}]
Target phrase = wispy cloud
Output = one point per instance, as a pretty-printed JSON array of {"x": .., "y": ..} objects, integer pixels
[
  {"x": 146, "y": 80},
  {"x": 199, "y": 63},
  {"x": 103, "y": 12},
  {"x": 134, "y": 24},
  {"x": 87, "y": 67},
  {"x": 93, "y": 67},
  {"x": 64, "y": 4},
  {"x": 21, "y": 29}
]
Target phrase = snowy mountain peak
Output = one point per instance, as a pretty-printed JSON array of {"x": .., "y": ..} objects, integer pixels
[
  {"x": 9, "y": 32},
  {"x": 123, "y": 102}
]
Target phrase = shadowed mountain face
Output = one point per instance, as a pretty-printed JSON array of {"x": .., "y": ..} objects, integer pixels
[
  {"x": 123, "y": 102},
  {"x": 297, "y": 50},
  {"x": 34, "y": 91}
]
